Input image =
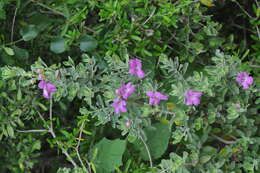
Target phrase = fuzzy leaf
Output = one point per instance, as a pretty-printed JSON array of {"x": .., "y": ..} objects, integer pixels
[{"x": 109, "y": 155}]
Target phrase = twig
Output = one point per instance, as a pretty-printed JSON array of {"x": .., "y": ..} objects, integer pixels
[
  {"x": 243, "y": 9},
  {"x": 258, "y": 32},
  {"x": 150, "y": 16},
  {"x": 64, "y": 151},
  {"x": 50, "y": 9},
  {"x": 50, "y": 114},
  {"x": 50, "y": 130},
  {"x": 78, "y": 144},
  {"x": 89, "y": 29},
  {"x": 223, "y": 140},
  {"x": 147, "y": 149},
  {"x": 12, "y": 31},
  {"x": 32, "y": 131},
  {"x": 13, "y": 42},
  {"x": 255, "y": 66}
]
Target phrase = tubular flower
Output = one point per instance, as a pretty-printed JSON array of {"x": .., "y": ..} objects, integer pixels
[
  {"x": 119, "y": 105},
  {"x": 48, "y": 88},
  {"x": 244, "y": 79},
  {"x": 135, "y": 68},
  {"x": 155, "y": 97},
  {"x": 192, "y": 97},
  {"x": 126, "y": 90}
]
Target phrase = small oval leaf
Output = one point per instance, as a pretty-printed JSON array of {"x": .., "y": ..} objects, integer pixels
[
  {"x": 29, "y": 32},
  {"x": 58, "y": 45},
  {"x": 87, "y": 43}
]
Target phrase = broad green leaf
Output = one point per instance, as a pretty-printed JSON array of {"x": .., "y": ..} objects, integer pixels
[
  {"x": 157, "y": 141},
  {"x": 109, "y": 155},
  {"x": 29, "y": 32},
  {"x": 9, "y": 51},
  {"x": 21, "y": 53},
  {"x": 58, "y": 45},
  {"x": 87, "y": 43}
]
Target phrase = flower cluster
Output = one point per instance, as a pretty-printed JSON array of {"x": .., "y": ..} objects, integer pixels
[
  {"x": 191, "y": 97},
  {"x": 125, "y": 91}
]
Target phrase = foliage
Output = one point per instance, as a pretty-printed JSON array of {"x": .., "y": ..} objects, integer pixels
[{"x": 83, "y": 48}]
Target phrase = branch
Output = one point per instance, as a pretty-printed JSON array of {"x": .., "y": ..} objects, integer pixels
[
  {"x": 50, "y": 9},
  {"x": 32, "y": 131},
  {"x": 78, "y": 144},
  {"x": 243, "y": 9},
  {"x": 150, "y": 16},
  {"x": 223, "y": 140},
  {"x": 147, "y": 149},
  {"x": 12, "y": 31},
  {"x": 50, "y": 130}
]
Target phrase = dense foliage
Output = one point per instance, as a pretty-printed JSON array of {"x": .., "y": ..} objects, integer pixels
[{"x": 129, "y": 86}]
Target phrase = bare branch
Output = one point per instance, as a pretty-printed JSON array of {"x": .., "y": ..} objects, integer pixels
[
  {"x": 32, "y": 131},
  {"x": 147, "y": 149},
  {"x": 223, "y": 140},
  {"x": 12, "y": 31}
]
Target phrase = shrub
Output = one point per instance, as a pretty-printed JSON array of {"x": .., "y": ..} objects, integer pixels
[{"x": 128, "y": 86}]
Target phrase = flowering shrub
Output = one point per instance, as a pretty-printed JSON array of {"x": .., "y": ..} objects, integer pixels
[{"x": 129, "y": 86}]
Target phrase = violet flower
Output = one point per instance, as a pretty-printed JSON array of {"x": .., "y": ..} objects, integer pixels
[
  {"x": 238, "y": 106},
  {"x": 155, "y": 97},
  {"x": 135, "y": 68},
  {"x": 40, "y": 77},
  {"x": 126, "y": 90},
  {"x": 192, "y": 97},
  {"x": 244, "y": 79},
  {"x": 119, "y": 105},
  {"x": 48, "y": 88}
]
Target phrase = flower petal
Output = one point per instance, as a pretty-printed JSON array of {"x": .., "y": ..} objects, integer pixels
[
  {"x": 46, "y": 94},
  {"x": 42, "y": 84}
]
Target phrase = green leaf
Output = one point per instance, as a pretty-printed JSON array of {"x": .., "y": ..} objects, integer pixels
[
  {"x": 2, "y": 11},
  {"x": 109, "y": 155},
  {"x": 9, "y": 51},
  {"x": 87, "y": 43},
  {"x": 21, "y": 53},
  {"x": 29, "y": 32},
  {"x": 205, "y": 159},
  {"x": 10, "y": 131},
  {"x": 208, "y": 3},
  {"x": 36, "y": 145},
  {"x": 58, "y": 45},
  {"x": 157, "y": 141}
]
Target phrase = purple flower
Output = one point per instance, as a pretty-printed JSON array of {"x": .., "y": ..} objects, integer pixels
[
  {"x": 119, "y": 105},
  {"x": 155, "y": 97},
  {"x": 135, "y": 68},
  {"x": 48, "y": 88},
  {"x": 238, "y": 105},
  {"x": 244, "y": 79},
  {"x": 126, "y": 90},
  {"x": 192, "y": 97},
  {"x": 40, "y": 76}
]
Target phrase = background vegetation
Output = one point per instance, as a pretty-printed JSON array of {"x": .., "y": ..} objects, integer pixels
[{"x": 83, "y": 48}]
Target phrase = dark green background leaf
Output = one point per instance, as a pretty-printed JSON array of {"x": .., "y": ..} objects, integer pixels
[{"x": 87, "y": 43}]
